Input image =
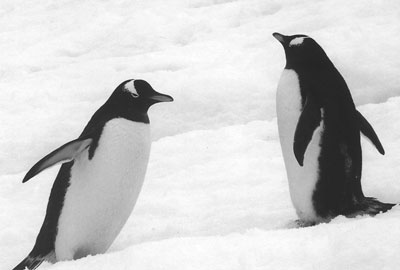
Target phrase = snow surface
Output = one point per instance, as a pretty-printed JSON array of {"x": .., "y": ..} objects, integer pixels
[{"x": 216, "y": 194}]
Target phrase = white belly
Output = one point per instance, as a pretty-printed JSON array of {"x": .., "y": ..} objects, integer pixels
[
  {"x": 104, "y": 190},
  {"x": 302, "y": 180}
]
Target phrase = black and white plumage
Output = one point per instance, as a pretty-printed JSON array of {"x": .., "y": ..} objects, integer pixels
[
  {"x": 319, "y": 130},
  {"x": 97, "y": 186}
]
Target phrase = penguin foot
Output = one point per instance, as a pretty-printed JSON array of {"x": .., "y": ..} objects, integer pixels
[
  {"x": 371, "y": 206},
  {"x": 32, "y": 262},
  {"x": 302, "y": 223},
  {"x": 29, "y": 263}
]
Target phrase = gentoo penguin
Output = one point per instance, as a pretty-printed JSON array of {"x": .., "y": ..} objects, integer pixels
[
  {"x": 319, "y": 129},
  {"x": 97, "y": 186}
]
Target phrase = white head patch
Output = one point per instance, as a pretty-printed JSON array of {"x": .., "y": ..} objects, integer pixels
[
  {"x": 130, "y": 87},
  {"x": 296, "y": 41}
]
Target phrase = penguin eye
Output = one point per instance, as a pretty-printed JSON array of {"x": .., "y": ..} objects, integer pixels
[{"x": 134, "y": 95}]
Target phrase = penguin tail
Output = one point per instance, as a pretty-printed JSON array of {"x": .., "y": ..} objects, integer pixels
[
  {"x": 29, "y": 263},
  {"x": 371, "y": 206}
]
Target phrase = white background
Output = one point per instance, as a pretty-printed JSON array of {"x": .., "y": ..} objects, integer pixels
[{"x": 216, "y": 194}]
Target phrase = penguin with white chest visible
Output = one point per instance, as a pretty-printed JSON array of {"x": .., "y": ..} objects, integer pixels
[
  {"x": 97, "y": 187},
  {"x": 319, "y": 129}
]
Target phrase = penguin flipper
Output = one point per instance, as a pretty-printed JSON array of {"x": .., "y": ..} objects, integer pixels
[
  {"x": 368, "y": 131},
  {"x": 309, "y": 120},
  {"x": 65, "y": 153}
]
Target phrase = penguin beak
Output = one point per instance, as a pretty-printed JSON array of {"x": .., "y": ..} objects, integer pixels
[
  {"x": 158, "y": 97},
  {"x": 281, "y": 38}
]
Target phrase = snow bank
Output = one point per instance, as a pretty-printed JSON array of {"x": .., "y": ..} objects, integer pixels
[
  {"x": 218, "y": 199},
  {"x": 314, "y": 248}
]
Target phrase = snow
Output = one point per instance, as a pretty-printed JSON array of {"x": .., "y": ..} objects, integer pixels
[{"x": 216, "y": 194}]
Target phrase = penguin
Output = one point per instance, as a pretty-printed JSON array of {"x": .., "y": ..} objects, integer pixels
[
  {"x": 100, "y": 179},
  {"x": 319, "y": 131}
]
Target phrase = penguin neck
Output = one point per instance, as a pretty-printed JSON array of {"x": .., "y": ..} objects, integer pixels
[
  {"x": 135, "y": 115},
  {"x": 312, "y": 65},
  {"x": 308, "y": 63},
  {"x": 128, "y": 111}
]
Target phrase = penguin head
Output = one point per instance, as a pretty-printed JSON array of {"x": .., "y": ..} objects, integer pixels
[
  {"x": 302, "y": 51},
  {"x": 138, "y": 95}
]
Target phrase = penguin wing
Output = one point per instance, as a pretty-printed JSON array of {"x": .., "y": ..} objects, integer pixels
[
  {"x": 369, "y": 132},
  {"x": 309, "y": 120},
  {"x": 67, "y": 152}
]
